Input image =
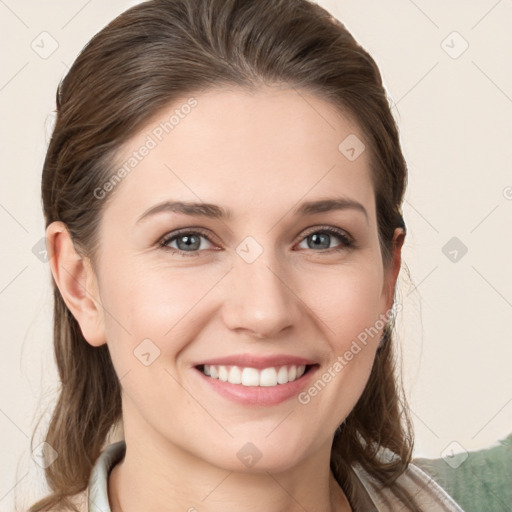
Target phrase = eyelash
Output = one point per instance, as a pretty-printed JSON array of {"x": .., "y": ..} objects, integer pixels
[{"x": 347, "y": 242}]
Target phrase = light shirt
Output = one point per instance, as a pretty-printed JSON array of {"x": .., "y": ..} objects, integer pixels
[{"x": 371, "y": 497}]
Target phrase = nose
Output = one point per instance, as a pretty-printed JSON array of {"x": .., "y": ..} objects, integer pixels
[{"x": 260, "y": 299}]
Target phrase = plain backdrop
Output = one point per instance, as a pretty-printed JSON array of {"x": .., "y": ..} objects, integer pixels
[{"x": 447, "y": 70}]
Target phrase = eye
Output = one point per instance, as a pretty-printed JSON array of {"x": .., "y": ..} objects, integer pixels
[
  {"x": 326, "y": 238},
  {"x": 186, "y": 242}
]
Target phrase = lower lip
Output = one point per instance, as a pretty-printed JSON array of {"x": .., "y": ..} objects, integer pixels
[{"x": 259, "y": 395}]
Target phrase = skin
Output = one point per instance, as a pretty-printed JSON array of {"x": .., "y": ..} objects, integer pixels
[{"x": 260, "y": 154}]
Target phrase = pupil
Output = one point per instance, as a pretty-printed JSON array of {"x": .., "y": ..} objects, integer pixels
[
  {"x": 186, "y": 242},
  {"x": 320, "y": 240}
]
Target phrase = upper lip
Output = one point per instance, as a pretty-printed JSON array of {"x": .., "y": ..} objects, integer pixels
[{"x": 260, "y": 362}]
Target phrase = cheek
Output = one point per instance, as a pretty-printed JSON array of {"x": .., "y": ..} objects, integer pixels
[
  {"x": 349, "y": 306},
  {"x": 349, "y": 314},
  {"x": 154, "y": 304},
  {"x": 347, "y": 302}
]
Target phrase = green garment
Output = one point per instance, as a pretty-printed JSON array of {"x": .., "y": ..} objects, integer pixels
[{"x": 479, "y": 481}]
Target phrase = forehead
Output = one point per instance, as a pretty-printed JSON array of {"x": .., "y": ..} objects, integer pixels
[{"x": 271, "y": 147}]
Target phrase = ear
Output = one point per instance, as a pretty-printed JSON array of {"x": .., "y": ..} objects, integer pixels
[
  {"x": 77, "y": 283},
  {"x": 391, "y": 273}
]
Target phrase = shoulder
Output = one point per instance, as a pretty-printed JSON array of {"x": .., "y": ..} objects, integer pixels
[
  {"x": 95, "y": 497},
  {"x": 412, "y": 490},
  {"x": 426, "y": 491},
  {"x": 480, "y": 479}
]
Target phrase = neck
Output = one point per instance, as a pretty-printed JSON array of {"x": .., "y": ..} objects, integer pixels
[
  {"x": 129, "y": 491},
  {"x": 156, "y": 475}
]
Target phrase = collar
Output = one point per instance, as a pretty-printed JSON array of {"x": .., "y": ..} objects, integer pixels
[{"x": 98, "y": 481}]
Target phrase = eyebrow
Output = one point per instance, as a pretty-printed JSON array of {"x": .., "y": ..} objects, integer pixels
[
  {"x": 217, "y": 212},
  {"x": 326, "y": 205}
]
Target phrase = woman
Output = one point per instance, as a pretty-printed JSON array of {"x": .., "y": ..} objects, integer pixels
[{"x": 222, "y": 196}]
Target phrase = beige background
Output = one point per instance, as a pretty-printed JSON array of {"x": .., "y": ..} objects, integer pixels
[{"x": 454, "y": 110}]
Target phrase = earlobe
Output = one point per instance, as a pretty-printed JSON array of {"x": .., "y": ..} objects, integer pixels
[{"x": 77, "y": 283}]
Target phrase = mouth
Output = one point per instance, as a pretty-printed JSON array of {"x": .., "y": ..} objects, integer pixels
[
  {"x": 248, "y": 386},
  {"x": 271, "y": 376}
]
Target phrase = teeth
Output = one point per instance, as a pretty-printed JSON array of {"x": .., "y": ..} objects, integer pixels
[
  {"x": 235, "y": 375},
  {"x": 223, "y": 373},
  {"x": 282, "y": 375},
  {"x": 271, "y": 376},
  {"x": 250, "y": 377},
  {"x": 268, "y": 377}
]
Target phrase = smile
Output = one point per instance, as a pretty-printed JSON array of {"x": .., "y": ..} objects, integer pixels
[
  {"x": 271, "y": 376},
  {"x": 249, "y": 386}
]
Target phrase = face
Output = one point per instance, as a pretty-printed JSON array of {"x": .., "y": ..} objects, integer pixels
[{"x": 242, "y": 231}]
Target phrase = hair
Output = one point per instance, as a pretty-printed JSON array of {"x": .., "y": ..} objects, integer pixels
[{"x": 147, "y": 58}]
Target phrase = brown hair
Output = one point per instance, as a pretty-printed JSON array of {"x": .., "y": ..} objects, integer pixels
[{"x": 145, "y": 59}]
